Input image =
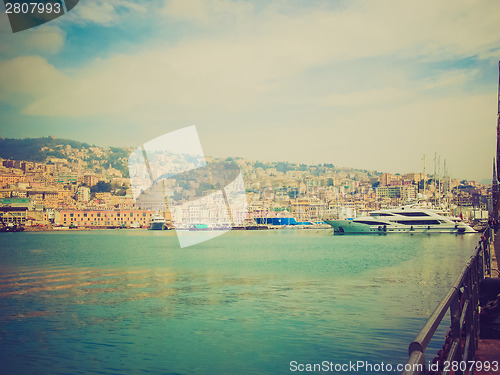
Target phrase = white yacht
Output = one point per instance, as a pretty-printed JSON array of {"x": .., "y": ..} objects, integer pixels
[
  {"x": 404, "y": 219},
  {"x": 157, "y": 222}
]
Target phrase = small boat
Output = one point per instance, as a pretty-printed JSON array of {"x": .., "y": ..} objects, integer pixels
[
  {"x": 404, "y": 219},
  {"x": 200, "y": 227},
  {"x": 11, "y": 227},
  {"x": 157, "y": 222}
]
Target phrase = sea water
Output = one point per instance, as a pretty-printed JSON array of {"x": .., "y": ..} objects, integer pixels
[{"x": 247, "y": 302}]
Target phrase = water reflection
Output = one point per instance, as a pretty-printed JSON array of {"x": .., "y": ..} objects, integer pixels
[{"x": 258, "y": 299}]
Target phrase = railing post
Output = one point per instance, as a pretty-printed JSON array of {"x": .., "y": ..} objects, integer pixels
[
  {"x": 480, "y": 254},
  {"x": 471, "y": 313},
  {"x": 417, "y": 359},
  {"x": 475, "y": 307},
  {"x": 455, "y": 313}
]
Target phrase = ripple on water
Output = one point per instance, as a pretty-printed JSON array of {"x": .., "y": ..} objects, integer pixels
[{"x": 115, "y": 302}]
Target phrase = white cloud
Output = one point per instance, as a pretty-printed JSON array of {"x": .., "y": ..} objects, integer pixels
[
  {"x": 364, "y": 98},
  {"x": 210, "y": 13},
  {"x": 410, "y": 91},
  {"x": 45, "y": 40},
  {"x": 240, "y": 58},
  {"x": 365, "y": 28},
  {"x": 29, "y": 75},
  {"x": 460, "y": 128},
  {"x": 231, "y": 67},
  {"x": 103, "y": 12},
  {"x": 194, "y": 10}
]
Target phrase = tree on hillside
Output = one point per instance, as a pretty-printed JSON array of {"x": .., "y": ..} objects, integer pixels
[{"x": 101, "y": 187}]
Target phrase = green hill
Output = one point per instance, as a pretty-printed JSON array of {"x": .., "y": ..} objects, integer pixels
[
  {"x": 42, "y": 149},
  {"x": 35, "y": 149}
]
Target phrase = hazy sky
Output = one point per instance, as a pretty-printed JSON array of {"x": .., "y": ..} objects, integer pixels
[{"x": 364, "y": 84}]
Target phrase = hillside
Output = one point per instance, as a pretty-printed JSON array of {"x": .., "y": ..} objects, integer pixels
[
  {"x": 43, "y": 149},
  {"x": 48, "y": 148}
]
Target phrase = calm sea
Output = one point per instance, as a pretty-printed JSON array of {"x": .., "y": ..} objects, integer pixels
[{"x": 247, "y": 302}]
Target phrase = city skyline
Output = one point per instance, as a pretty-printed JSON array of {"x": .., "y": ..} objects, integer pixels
[
  {"x": 435, "y": 166},
  {"x": 368, "y": 85}
]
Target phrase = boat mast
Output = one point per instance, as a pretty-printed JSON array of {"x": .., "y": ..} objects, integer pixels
[
  {"x": 435, "y": 183},
  {"x": 445, "y": 174},
  {"x": 439, "y": 180},
  {"x": 424, "y": 176}
]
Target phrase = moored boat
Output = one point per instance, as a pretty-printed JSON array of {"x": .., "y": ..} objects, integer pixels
[
  {"x": 157, "y": 222},
  {"x": 404, "y": 219}
]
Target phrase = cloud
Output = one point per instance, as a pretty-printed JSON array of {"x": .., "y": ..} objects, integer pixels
[
  {"x": 363, "y": 29},
  {"x": 104, "y": 13},
  {"x": 410, "y": 90},
  {"x": 209, "y": 13},
  {"x": 269, "y": 49},
  {"x": 29, "y": 75},
  {"x": 459, "y": 127},
  {"x": 228, "y": 61},
  {"x": 45, "y": 40},
  {"x": 194, "y": 10}
]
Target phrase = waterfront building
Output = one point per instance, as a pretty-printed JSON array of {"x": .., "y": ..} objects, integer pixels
[
  {"x": 103, "y": 218},
  {"x": 14, "y": 215}
]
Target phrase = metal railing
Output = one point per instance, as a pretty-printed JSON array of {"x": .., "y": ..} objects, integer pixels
[{"x": 462, "y": 301}]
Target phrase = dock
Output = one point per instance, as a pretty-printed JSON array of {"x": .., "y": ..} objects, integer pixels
[
  {"x": 488, "y": 350},
  {"x": 472, "y": 343}
]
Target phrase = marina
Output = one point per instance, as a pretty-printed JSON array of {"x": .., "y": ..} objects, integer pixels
[
  {"x": 130, "y": 301},
  {"x": 233, "y": 187}
]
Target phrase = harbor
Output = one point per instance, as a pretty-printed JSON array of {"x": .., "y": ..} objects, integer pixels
[
  {"x": 124, "y": 301},
  {"x": 472, "y": 344},
  {"x": 235, "y": 187}
]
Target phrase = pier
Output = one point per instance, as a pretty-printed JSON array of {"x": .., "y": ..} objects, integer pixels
[
  {"x": 489, "y": 349},
  {"x": 470, "y": 343}
]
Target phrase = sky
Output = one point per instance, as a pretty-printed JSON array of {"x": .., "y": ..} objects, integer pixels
[{"x": 364, "y": 84}]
